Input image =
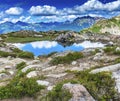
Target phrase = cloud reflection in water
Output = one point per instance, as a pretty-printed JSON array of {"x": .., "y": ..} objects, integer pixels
[{"x": 46, "y": 47}]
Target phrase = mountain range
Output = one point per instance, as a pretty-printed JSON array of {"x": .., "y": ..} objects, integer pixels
[{"x": 76, "y": 25}]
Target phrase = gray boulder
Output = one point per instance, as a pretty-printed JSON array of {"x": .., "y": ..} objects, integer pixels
[{"x": 79, "y": 92}]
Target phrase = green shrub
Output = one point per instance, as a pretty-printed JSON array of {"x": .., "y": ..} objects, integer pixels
[
  {"x": 100, "y": 85},
  {"x": 58, "y": 94},
  {"x": 6, "y": 54},
  {"x": 95, "y": 29},
  {"x": 109, "y": 50},
  {"x": 19, "y": 88},
  {"x": 17, "y": 50},
  {"x": 21, "y": 65},
  {"x": 49, "y": 55},
  {"x": 66, "y": 59},
  {"x": 117, "y": 60},
  {"x": 117, "y": 52},
  {"x": 26, "y": 55},
  {"x": 95, "y": 51}
]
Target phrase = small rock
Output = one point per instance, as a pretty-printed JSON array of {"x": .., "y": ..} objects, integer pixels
[
  {"x": 43, "y": 83},
  {"x": 50, "y": 68},
  {"x": 11, "y": 72},
  {"x": 1, "y": 39},
  {"x": 8, "y": 67},
  {"x": 101, "y": 51},
  {"x": 110, "y": 43},
  {"x": 117, "y": 49},
  {"x": 9, "y": 57},
  {"x": 50, "y": 88},
  {"x": 1, "y": 63},
  {"x": 34, "y": 62},
  {"x": 57, "y": 75},
  {"x": 74, "y": 63},
  {"x": 2, "y": 69},
  {"x": 4, "y": 83},
  {"x": 98, "y": 56},
  {"x": 76, "y": 69},
  {"x": 32, "y": 74},
  {"x": 3, "y": 75}
]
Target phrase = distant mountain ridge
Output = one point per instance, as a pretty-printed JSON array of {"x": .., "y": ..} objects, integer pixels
[{"x": 75, "y": 25}]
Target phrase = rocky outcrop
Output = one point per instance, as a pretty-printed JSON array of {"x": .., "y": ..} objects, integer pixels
[
  {"x": 112, "y": 30},
  {"x": 65, "y": 37},
  {"x": 79, "y": 92},
  {"x": 49, "y": 68},
  {"x": 69, "y": 37},
  {"x": 31, "y": 67},
  {"x": 110, "y": 68}
]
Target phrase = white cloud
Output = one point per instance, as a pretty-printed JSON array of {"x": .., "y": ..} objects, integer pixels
[
  {"x": 91, "y": 7},
  {"x": 1, "y": 14},
  {"x": 44, "y": 44},
  {"x": 4, "y": 20},
  {"x": 21, "y": 18},
  {"x": 97, "y": 5},
  {"x": 43, "y": 10},
  {"x": 39, "y": 44},
  {"x": 48, "y": 13},
  {"x": 14, "y": 20},
  {"x": 57, "y": 18},
  {"x": 19, "y": 45},
  {"x": 14, "y": 11},
  {"x": 88, "y": 44}
]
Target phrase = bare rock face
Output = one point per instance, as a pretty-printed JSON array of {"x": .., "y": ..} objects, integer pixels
[
  {"x": 111, "y": 68},
  {"x": 64, "y": 37},
  {"x": 31, "y": 67},
  {"x": 79, "y": 92}
]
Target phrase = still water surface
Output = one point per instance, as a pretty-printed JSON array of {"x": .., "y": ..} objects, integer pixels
[{"x": 47, "y": 47}]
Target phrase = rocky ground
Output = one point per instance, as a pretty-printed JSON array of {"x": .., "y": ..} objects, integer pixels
[{"x": 53, "y": 74}]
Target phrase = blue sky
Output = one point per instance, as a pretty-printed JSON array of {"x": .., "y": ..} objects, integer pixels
[{"x": 56, "y": 10}]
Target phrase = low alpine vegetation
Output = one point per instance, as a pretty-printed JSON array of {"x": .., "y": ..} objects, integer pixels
[{"x": 67, "y": 59}]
